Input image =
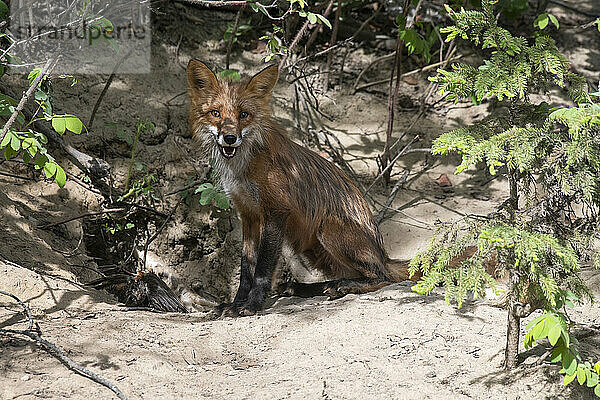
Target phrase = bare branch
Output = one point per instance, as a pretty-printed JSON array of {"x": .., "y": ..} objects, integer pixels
[
  {"x": 56, "y": 351},
  {"x": 26, "y": 96}
]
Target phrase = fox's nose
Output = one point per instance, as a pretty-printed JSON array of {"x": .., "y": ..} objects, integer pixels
[{"x": 230, "y": 139}]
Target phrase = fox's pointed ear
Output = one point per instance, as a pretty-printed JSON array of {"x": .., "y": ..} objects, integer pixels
[
  {"x": 262, "y": 84},
  {"x": 200, "y": 78}
]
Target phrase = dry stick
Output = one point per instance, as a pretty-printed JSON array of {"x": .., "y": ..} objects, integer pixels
[
  {"x": 340, "y": 44},
  {"x": 334, "y": 33},
  {"x": 391, "y": 198},
  {"x": 26, "y": 97},
  {"x": 96, "y": 167},
  {"x": 186, "y": 187},
  {"x": 392, "y": 98},
  {"x": 393, "y": 161},
  {"x": 406, "y": 149},
  {"x": 233, "y": 32},
  {"x": 375, "y": 61},
  {"x": 313, "y": 36},
  {"x": 90, "y": 214},
  {"x": 414, "y": 71},
  {"x": 56, "y": 351},
  {"x": 297, "y": 38},
  {"x": 106, "y": 86},
  {"x": 25, "y": 178}
]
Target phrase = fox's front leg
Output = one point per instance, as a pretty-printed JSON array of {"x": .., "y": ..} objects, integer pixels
[{"x": 255, "y": 277}]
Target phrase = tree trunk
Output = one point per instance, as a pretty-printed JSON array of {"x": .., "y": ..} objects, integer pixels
[
  {"x": 513, "y": 325},
  {"x": 513, "y": 330}
]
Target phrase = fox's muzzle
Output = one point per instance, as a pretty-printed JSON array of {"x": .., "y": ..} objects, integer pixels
[{"x": 226, "y": 140}]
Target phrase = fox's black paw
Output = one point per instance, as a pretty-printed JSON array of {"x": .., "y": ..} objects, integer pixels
[
  {"x": 337, "y": 289},
  {"x": 234, "y": 310}
]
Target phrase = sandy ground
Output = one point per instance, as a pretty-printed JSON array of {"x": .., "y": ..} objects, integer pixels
[{"x": 391, "y": 344}]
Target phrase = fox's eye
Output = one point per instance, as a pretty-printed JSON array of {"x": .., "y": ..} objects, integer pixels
[
  {"x": 244, "y": 115},
  {"x": 215, "y": 113}
]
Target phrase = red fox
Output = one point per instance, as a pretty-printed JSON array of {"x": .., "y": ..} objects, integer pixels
[{"x": 283, "y": 192}]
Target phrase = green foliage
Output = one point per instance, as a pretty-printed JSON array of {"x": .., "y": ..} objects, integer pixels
[
  {"x": 514, "y": 68},
  {"x": 553, "y": 326},
  {"x": 142, "y": 126},
  {"x": 273, "y": 40},
  {"x": 230, "y": 75},
  {"x": 541, "y": 22},
  {"x": 241, "y": 30},
  {"x": 143, "y": 189},
  {"x": 551, "y": 158},
  {"x": 21, "y": 139},
  {"x": 414, "y": 41},
  {"x": 458, "y": 253},
  {"x": 274, "y": 46},
  {"x": 209, "y": 194}
]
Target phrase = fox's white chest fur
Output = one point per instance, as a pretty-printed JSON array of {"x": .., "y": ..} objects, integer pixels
[{"x": 232, "y": 177}]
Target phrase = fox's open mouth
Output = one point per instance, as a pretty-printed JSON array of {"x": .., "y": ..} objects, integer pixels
[{"x": 228, "y": 151}]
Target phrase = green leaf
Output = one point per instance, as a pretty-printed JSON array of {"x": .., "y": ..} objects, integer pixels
[
  {"x": 568, "y": 362},
  {"x": 221, "y": 201},
  {"x": 31, "y": 145},
  {"x": 401, "y": 22},
  {"x": 554, "y": 20},
  {"x": 312, "y": 18},
  {"x": 33, "y": 74},
  {"x": 207, "y": 196},
  {"x": 15, "y": 142},
  {"x": 73, "y": 124},
  {"x": 230, "y": 74},
  {"x": 59, "y": 124},
  {"x": 6, "y": 139},
  {"x": 597, "y": 389},
  {"x": 568, "y": 379},
  {"x": 40, "y": 161},
  {"x": 556, "y": 355},
  {"x": 203, "y": 187},
  {"x": 597, "y": 367},
  {"x": 41, "y": 96},
  {"x": 50, "y": 169},
  {"x": 554, "y": 334},
  {"x": 541, "y": 21},
  {"x": 581, "y": 375},
  {"x": 3, "y": 10},
  {"x": 592, "y": 380},
  {"x": 60, "y": 178},
  {"x": 324, "y": 20},
  {"x": 9, "y": 153}
]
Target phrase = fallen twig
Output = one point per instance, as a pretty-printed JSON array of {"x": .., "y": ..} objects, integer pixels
[
  {"x": 25, "y": 178},
  {"x": 56, "y": 351},
  {"x": 334, "y": 33}
]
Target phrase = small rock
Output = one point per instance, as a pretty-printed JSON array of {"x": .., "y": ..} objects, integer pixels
[
  {"x": 25, "y": 378},
  {"x": 443, "y": 181}
]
